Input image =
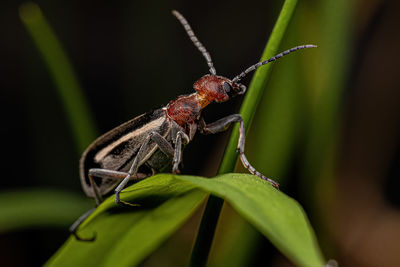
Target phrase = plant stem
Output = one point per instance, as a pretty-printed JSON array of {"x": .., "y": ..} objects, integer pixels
[
  {"x": 205, "y": 235},
  {"x": 253, "y": 96}
]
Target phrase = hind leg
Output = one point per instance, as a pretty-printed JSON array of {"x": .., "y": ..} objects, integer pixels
[{"x": 104, "y": 174}]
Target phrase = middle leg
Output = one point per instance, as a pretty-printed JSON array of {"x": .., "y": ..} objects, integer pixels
[
  {"x": 163, "y": 145},
  {"x": 178, "y": 150}
]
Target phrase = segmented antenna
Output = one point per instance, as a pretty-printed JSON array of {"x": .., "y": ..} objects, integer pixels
[
  {"x": 195, "y": 41},
  {"x": 255, "y": 66}
]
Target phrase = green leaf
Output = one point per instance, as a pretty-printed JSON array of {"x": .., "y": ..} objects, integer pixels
[
  {"x": 39, "y": 208},
  {"x": 126, "y": 236},
  {"x": 279, "y": 217}
]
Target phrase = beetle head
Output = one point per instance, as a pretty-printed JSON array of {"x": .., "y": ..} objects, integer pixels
[{"x": 217, "y": 88}]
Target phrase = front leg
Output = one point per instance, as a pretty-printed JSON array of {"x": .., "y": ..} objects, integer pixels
[
  {"x": 222, "y": 125},
  {"x": 178, "y": 151}
]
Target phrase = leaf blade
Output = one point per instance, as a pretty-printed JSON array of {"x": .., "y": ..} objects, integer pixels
[
  {"x": 165, "y": 204},
  {"x": 282, "y": 219}
]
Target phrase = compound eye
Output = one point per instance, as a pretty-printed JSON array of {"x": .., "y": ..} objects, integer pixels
[{"x": 227, "y": 87}]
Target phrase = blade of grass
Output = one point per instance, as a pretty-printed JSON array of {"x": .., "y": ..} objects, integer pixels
[
  {"x": 210, "y": 218},
  {"x": 39, "y": 208},
  {"x": 331, "y": 23},
  {"x": 331, "y": 75},
  {"x": 62, "y": 73}
]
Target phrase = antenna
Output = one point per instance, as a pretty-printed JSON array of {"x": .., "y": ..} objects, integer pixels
[
  {"x": 195, "y": 41},
  {"x": 255, "y": 66}
]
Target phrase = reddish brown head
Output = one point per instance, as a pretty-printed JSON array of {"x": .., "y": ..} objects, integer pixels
[{"x": 215, "y": 88}]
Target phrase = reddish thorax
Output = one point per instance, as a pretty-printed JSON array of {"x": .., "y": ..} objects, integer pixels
[{"x": 186, "y": 109}]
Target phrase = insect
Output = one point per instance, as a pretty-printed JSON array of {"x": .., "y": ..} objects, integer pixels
[{"x": 150, "y": 142}]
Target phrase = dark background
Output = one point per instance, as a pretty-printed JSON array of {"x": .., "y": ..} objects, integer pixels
[{"x": 133, "y": 56}]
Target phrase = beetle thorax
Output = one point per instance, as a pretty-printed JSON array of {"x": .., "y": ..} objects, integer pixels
[{"x": 184, "y": 110}]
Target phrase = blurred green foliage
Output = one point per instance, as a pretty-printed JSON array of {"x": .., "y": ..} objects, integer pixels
[
  {"x": 62, "y": 73},
  {"x": 36, "y": 208}
]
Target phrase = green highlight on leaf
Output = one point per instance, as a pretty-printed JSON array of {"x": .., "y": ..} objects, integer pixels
[
  {"x": 39, "y": 208},
  {"x": 279, "y": 217},
  {"x": 62, "y": 73},
  {"x": 126, "y": 236}
]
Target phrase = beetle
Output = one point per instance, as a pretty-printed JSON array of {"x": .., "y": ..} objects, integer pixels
[{"x": 149, "y": 143}]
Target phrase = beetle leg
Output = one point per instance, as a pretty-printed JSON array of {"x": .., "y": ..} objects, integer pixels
[
  {"x": 104, "y": 174},
  {"x": 178, "y": 151},
  {"x": 109, "y": 174},
  {"x": 164, "y": 146},
  {"x": 162, "y": 143},
  {"x": 97, "y": 195},
  {"x": 222, "y": 125},
  {"x": 78, "y": 222},
  {"x": 133, "y": 170},
  {"x": 219, "y": 125}
]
